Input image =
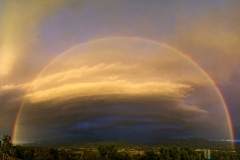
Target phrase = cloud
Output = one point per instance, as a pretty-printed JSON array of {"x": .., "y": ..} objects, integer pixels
[
  {"x": 100, "y": 88},
  {"x": 77, "y": 74},
  {"x": 210, "y": 38},
  {"x": 11, "y": 97},
  {"x": 19, "y": 31},
  {"x": 109, "y": 88},
  {"x": 103, "y": 116},
  {"x": 19, "y": 34}
]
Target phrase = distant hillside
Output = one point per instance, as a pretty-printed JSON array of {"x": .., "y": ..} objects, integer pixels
[
  {"x": 198, "y": 143},
  {"x": 191, "y": 142}
]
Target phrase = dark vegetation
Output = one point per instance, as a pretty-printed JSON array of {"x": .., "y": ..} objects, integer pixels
[{"x": 107, "y": 152}]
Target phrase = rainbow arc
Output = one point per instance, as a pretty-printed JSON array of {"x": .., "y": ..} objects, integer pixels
[{"x": 217, "y": 90}]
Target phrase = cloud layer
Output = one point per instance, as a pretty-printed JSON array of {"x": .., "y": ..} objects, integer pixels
[{"x": 136, "y": 84}]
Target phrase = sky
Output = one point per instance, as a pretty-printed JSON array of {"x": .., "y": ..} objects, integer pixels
[{"x": 94, "y": 70}]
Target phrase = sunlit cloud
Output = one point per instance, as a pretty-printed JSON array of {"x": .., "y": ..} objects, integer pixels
[
  {"x": 19, "y": 30},
  {"x": 110, "y": 88}
]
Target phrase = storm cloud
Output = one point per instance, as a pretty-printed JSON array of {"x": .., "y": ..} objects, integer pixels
[{"x": 118, "y": 92}]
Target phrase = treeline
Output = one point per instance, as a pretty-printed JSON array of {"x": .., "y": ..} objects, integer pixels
[
  {"x": 200, "y": 143},
  {"x": 103, "y": 152},
  {"x": 221, "y": 154}
]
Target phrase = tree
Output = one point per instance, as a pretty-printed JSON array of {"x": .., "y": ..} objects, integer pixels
[
  {"x": 28, "y": 155},
  {"x": 150, "y": 155},
  {"x": 123, "y": 156},
  {"x": 89, "y": 155},
  {"x": 6, "y": 147},
  {"x": 164, "y": 153},
  {"x": 189, "y": 154},
  {"x": 43, "y": 154},
  {"x": 174, "y": 153},
  {"x": 107, "y": 152}
]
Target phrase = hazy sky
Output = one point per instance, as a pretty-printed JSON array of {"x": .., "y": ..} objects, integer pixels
[{"x": 119, "y": 70}]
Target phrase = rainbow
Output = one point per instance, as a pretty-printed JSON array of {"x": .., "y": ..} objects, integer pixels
[{"x": 217, "y": 90}]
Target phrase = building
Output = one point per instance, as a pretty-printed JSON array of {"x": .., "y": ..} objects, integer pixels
[{"x": 207, "y": 154}]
